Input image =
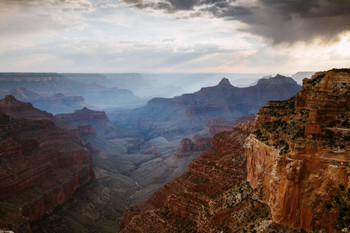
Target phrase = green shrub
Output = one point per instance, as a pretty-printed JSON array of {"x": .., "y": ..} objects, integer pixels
[
  {"x": 327, "y": 204},
  {"x": 341, "y": 186}
]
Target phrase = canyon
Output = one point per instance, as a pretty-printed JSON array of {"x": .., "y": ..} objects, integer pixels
[
  {"x": 188, "y": 113},
  {"x": 60, "y": 93},
  {"x": 281, "y": 173},
  {"x": 215, "y": 165}
]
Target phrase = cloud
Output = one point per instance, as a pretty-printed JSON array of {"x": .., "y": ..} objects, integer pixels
[
  {"x": 90, "y": 56},
  {"x": 279, "y": 21},
  {"x": 27, "y": 19},
  {"x": 157, "y": 35},
  {"x": 74, "y": 5}
]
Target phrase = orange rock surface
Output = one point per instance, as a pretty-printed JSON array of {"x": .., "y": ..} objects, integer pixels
[
  {"x": 212, "y": 196},
  {"x": 300, "y": 152}
]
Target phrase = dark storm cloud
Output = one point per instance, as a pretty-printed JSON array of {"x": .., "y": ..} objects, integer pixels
[
  {"x": 280, "y": 21},
  {"x": 298, "y": 20}
]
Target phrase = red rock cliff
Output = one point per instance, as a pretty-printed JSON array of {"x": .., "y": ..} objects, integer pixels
[
  {"x": 300, "y": 152},
  {"x": 41, "y": 167},
  {"x": 213, "y": 196}
]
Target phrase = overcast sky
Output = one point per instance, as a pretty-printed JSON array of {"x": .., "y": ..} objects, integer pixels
[{"x": 223, "y": 36}]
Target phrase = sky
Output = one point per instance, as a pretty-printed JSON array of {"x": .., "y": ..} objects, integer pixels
[{"x": 174, "y": 36}]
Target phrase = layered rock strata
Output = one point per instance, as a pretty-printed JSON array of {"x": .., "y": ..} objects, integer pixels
[
  {"x": 213, "y": 196},
  {"x": 300, "y": 152},
  {"x": 41, "y": 167}
]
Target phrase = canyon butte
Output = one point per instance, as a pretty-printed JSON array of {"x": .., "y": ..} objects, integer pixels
[{"x": 286, "y": 172}]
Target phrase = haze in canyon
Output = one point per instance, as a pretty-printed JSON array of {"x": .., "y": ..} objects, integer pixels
[{"x": 174, "y": 116}]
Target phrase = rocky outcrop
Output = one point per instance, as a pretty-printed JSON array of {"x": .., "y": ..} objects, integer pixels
[
  {"x": 296, "y": 160},
  {"x": 49, "y": 84},
  {"x": 41, "y": 167},
  {"x": 85, "y": 130},
  {"x": 22, "y": 94},
  {"x": 300, "y": 152},
  {"x": 43, "y": 83},
  {"x": 57, "y": 103},
  {"x": 198, "y": 199},
  {"x": 99, "y": 121},
  {"x": 188, "y": 147},
  {"x": 20, "y": 110},
  {"x": 84, "y": 116},
  {"x": 213, "y": 196},
  {"x": 219, "y": 125},
  {"x": 202, "y": 141}
]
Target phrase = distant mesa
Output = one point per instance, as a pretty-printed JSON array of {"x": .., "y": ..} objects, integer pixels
[
  {"x": 9, "y": 98},
  {"x": 276, "y": 80},
  {"x": 99, "y": 121},
  {"x": 58, "y": 95},
  {"x": 188, "y": 113}
]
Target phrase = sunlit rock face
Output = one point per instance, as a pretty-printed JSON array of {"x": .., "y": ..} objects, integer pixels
[
  {"x": 41, "y": 165},
  {"x": 204, "y": 198},
  {"x": 213, "y": 196},
  {"x": 300, "y": 152}
]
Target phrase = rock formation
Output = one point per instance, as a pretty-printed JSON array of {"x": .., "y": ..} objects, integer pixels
[
  {"x": 19, "y": 110},
  {"x": 57, "y": 103},
  {"x": 281, "y": 174},
  {"x": 204, "y": 198},
  {"x": 70, "y": 85},
  {"x": 188, "y": 113},
  {"x": 300, "y": 152},
  {"x": 99, "y": 121},
  {"x": 213, "y": 196},
  {"x": 41, "y": 165},
  {"x": 200, "y": 142}
]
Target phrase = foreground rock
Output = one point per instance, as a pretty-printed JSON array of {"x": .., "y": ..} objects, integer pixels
[
  {"x": 300, "y": 152},
  {"x": 41, "y": 166}
]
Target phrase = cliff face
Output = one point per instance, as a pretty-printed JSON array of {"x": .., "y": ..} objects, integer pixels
[
  {"x": 213, "y": 196},
  {"x": 41, "y": 167},
  {"x": 19, "y": 110},
  {"x": 300, "y": 152}
]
